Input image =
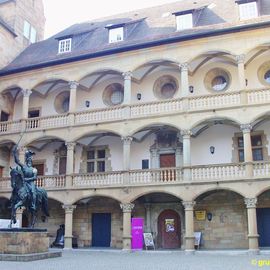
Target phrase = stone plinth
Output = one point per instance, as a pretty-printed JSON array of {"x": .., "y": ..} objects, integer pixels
[{"x": 23, "y": 241}]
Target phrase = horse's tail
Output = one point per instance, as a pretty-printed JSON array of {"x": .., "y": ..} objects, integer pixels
[{"x": 44, "y": 203}]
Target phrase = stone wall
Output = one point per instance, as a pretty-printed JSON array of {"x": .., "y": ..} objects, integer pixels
[{"x": 228, "y": 227}]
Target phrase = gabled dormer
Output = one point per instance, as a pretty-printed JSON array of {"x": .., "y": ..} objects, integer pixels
[{"x": 64, "y": 45}]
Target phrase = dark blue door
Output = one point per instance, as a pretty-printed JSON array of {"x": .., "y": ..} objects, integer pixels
[
  {"x": 263, "y": 221},
  {"x": 101, "y": 230}
]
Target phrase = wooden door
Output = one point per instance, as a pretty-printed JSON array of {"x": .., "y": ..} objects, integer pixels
[
  {"x": 101, "y": 229},
  {"x": 167, "y": 160},
  {"x": 169, "y": 230}
]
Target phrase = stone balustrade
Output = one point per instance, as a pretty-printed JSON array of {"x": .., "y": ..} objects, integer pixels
[
  {"x": 218, "y": 172},
  {"x": 142, "y": 110},
  {"x": 199, "y": 174}
]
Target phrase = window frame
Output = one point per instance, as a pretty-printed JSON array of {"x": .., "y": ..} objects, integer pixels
[
  {"x": 263, "y": 146},
  {"x": 28, "y": 30},
  {"x": 184, "y": 21},
  {"x": 244, "y": 6},
  {"x": 114, "y": 32},
  {"x": 96, "y": 160},
  {"x": 65, "y": 45}
]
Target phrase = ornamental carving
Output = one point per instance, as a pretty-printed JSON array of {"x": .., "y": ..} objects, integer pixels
[
  {"x": 246, "y": 127},
  {"x": 127, "y": 75},
  {"x": 240, "y": 59},
  {"x": 26, "y": 92},
  {"x": 127, "y": 139},
  {"x": 127, "y": 207},
  {"x": 69, "y": 208},
  {"x": 251, "y": 202},
  {"x": 188, "y": 205},
  {"x": 70, "y": 146},
  {"x": 183, "y": 66},
  {"x": 73, "y": 85}
]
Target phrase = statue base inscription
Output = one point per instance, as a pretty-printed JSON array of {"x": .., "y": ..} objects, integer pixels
[{"x": 25, "y": 245}]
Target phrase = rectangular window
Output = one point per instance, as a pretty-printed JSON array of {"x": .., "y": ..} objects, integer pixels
[
  {"x": 145, "y": 164},
  {"x": 96, "y": 160},
  {"x": 184, "y": 21},
  {"x": 248, "y": 10},
  {"x": 33, "y": 35},
  {"x": 64, "y": 45},
  {"x": 116, "y": 34},
  {"x": 26, "y": 29},
  {"x": 257, "y": 148}
]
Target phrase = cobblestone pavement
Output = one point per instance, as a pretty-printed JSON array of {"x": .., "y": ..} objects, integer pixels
[{"x": 118, "y": 260}]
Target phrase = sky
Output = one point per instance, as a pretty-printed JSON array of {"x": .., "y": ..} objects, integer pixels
[{"x": 61, "y": 14}]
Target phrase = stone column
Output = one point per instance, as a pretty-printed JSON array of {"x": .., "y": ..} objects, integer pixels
[
  {"x": 19, "y": 215},
  {"x": 252, "y": 225},
  {"x": 240, "y": 59},
  {"x": 189, "y": 224},
  {"x": 126, "y": 152},
  {"x": 186, "y": 154},
  {"x": 70, "y": 162},
  {"x": 246, "y": 129},
  {"x": 148, "y": 217},
  {"x": 26, "y": 95},
  {"x": 68, "y": 224},
  {"x": 127, "y": 208},
  {"x": 73, "y": 96},
  {"x": 127, "y": 87},
  {"x": 22, "y": 150},
  {"x": 184, "y": 79}
]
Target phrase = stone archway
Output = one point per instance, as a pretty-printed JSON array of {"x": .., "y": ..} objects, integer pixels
[{"x": 169, "y": 230}]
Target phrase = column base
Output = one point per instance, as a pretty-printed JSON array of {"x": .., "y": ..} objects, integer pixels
[
  {"x": 253, "y": 242},
  {"x": 68, "y": 243},
  {"x": 189, "y": 243},
  {"x": 126, "y": 243}
]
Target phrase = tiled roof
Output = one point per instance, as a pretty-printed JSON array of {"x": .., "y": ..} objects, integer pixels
[{"x": 142, "y": 27}]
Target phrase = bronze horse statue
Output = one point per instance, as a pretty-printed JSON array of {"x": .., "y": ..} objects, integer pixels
[{"x": 23, "y": 188}]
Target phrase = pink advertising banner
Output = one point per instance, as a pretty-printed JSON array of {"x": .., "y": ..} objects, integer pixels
[{"x": 137, "y": 233}]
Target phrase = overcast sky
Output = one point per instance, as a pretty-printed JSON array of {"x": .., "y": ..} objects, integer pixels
[{"x": 62, "y": 13}]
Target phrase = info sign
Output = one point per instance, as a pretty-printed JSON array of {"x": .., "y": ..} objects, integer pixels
[{"x": 137, "y": 233}]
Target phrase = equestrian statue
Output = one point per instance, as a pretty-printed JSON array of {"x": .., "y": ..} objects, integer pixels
[{"x": 25, "y": 193}]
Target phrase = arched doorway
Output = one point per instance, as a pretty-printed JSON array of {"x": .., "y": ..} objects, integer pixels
[{"x": 169, "y": 230}]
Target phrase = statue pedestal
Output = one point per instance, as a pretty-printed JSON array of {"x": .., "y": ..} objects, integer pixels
[{"x": 23, "y": 244}]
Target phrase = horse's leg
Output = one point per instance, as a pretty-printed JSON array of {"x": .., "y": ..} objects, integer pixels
[{"x": 33, "y": 218}]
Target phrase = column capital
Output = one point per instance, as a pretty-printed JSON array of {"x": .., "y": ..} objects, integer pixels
[
  {"x": 70, "y": 146},
  {"x": 246, "y": 127},
  {"x": 240, "y": 59},
  {"x": 186, "y": 133},
  {"x": 188, "y": 205},
  {"x": 127, "y": 139},
  {"x": 127, "y": 207},
  {"x": 127, "y": 75},
  {"x": 69, "y": 208},
  {"x": 251, "y": 202},
  {"x": 26, "y": 92},
  {"x": 184, "y": 66},
  {"x": 73, "y": 85}
]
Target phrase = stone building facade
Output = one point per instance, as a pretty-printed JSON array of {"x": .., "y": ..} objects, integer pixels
[
  {"x": 160, "y": 113},
  {"x": 21, "y": 23}
]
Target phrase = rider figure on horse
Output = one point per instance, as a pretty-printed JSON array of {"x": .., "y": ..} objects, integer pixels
[{"x": 29, "y": 174}]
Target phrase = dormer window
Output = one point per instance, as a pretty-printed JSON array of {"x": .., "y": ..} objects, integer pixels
[
  {"x": 64, "y": 45},
  {"x": 116, "y": 34},
  {"x": 184, "y": 19},
  {"x": 247, "y": 9}
]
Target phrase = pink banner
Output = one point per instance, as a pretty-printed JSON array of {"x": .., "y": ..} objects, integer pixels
[{"x": 137, "y": 233}]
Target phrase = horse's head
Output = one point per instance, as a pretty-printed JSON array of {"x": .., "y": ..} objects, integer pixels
[{"x": 16, "y": 177}]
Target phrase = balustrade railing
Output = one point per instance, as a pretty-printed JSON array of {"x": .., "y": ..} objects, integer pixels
[
  {"x": 258, "y": 96},
  {"x": 214, "y": 101},
  {"x": 51, "y": 181},
  {"x": 136, "y": 111},
  {"x": 218, "y": 172},
  {"x": 261, "y": 169},
  {"x": 150, "y": 176},
  {"x": 98, "y": 179}
]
